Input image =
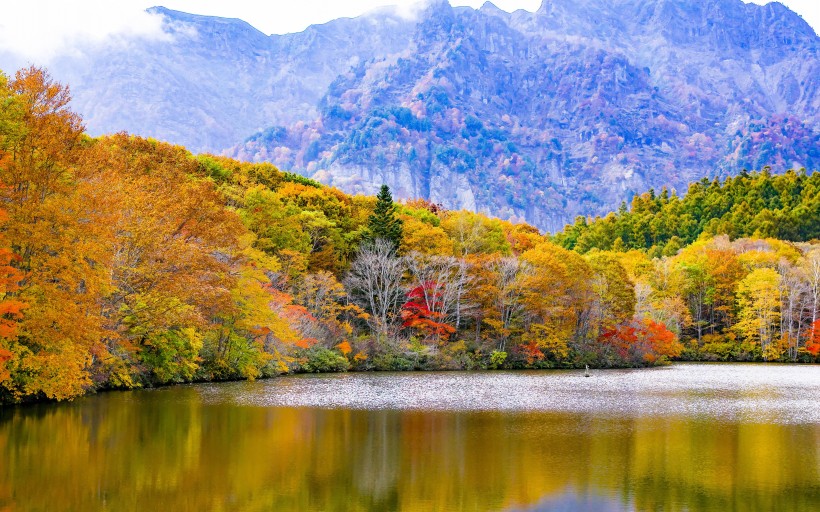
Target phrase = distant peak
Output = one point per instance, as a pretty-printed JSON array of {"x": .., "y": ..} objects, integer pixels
[
  {"x": 171, "y": 13},
  {"x": 437, "y": 5},
  {"x": 185, "y": 17},
  {"x": 490, "y": 7}
]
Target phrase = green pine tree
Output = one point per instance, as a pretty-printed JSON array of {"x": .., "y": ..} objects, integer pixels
[{"x": 384, "y": 223}]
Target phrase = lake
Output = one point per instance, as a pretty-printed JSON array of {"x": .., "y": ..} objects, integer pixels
[{"x": 685, "y": 437}]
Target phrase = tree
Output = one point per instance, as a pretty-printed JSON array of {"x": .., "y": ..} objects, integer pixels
[
  {"x": 325, "y": 299},
  {"x": 173, "y": 243},
  {"x": 759, "y": 309},
  {"x": 725, "y": 271},
  {"x": 473, "y": 233},
  {"x": 374, "y": 283},
  {"x": 793, "y": 298},
  {"x": 556, "y": 298},
  {"x": 813, "y": 343},
  {"x": 11, "y": 309},
  {"x": 422, "y": 312},
  {"x": 638, "y": 343},
  {"x": 245, "y": 337},
  {"x": 424, "y": 237},
  {"x": 384, "y": 222},
  {"x": 812, "y": 269},
  {"x": 442, "y": 281},
  {"x": 57, "y": 229},
  {"x": 496, "y": 291},
  {"x": 614, "y": 294}
]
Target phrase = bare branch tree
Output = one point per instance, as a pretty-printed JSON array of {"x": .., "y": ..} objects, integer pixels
[
  {"x": 812, "y": 268},
  {"x": 508, "y": 301},
  {"x": 793, "y": 287},
  {"x": 374, "y": 283}
]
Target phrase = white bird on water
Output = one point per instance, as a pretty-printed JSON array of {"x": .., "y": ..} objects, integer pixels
[{"x": 586, "y": 372}]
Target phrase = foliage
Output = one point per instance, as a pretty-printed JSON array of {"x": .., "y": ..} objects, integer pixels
[
  {"x": 384, "y": 224},
  {"x": 497, "y": 359},
  {"x": 757, "y": 204},
  {"x": 323, "y": 360},
  {"x": 427, "y": 319},
  {"x": 639, "y": 343},
  {"x": 128, "y": 262}
]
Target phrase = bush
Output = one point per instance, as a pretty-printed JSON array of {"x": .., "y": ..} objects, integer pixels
[
  {"x": 324, "y": 360},
  {"x": 719, "y": 348},
  {"x": 392, "y": 361},
  {"x": 497, "y": 359}
]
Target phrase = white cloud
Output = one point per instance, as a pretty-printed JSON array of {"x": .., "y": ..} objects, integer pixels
[{"x": 37, "y": 30}]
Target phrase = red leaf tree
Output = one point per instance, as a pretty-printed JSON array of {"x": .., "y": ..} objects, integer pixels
[
  {"x": 417, "y": 313},
  {"x": 813, "y": 343}
]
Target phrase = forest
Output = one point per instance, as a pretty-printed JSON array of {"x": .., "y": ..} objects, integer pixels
[{"x": 127, "y": 262}]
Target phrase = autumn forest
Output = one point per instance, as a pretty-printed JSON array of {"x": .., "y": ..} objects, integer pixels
[{"x": 128, "y": 262}]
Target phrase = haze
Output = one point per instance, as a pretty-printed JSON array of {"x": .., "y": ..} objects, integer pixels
[{"x": 35, "y": 32}]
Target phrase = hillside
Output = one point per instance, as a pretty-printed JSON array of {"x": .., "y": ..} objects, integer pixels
[
  {"x": 525, "y": 116},
  {"x": 538, "y": 117},
  {"x": 786, "y": 207},
  {"x": 128, "y": 262}
]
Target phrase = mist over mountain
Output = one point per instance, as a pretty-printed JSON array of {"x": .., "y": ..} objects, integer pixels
[
  {"x": 213, "y": 81},
  {"x": 526, "y": 116}
]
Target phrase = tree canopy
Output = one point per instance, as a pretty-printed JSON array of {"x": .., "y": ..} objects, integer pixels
[{"x": 128, "y": 262}]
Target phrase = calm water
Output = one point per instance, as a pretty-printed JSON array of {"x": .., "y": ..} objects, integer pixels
[{"x": 686, "y": 437}]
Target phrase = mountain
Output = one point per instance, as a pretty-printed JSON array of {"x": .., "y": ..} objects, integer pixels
[
  {"x": 571, "y": 109},
  {"x": 526, "y": 116},
  {"x": 212, "y": 81}
]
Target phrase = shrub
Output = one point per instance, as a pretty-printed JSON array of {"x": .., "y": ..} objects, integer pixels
[
  {"x": 392, "y": 361},
  {"x": 497, "y": 359},
  {"x": 324, "y": 360}
]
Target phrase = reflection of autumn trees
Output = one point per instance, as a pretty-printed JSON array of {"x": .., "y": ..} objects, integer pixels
[{"x": 189, "y": 454}]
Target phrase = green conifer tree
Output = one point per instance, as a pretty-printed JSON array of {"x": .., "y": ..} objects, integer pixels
[{"x": 384, "y": 223}]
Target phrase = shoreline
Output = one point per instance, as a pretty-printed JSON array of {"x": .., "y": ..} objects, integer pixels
[{"x": 44, "y": 401}]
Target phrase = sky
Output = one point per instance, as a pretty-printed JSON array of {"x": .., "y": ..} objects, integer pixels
[{"x": 37, "y": 30}]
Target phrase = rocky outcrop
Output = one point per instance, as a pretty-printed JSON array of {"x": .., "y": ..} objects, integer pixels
[
  {"x": 527, "y": 116},
  {"x": 214, "y": 81},
  {"x": 569, "y": 110}
]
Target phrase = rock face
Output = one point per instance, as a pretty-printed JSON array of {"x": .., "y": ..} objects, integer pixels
[
  {"x": 542, "y": 116},
  {"x": 526, "y": 116},
  {"x": 215, "y": 81}
]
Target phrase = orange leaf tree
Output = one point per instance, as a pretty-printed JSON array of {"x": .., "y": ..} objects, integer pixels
[
  {"x": 637, "y": 343},
  {"x": 53, "y": 228},
  {"x": 813, "y": 343}
]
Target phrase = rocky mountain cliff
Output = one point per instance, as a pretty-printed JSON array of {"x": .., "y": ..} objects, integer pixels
[
  {"x": 214, "y": 81},
  {"x": 526, "y": 116},
  {"x": 541, "y": 116}
]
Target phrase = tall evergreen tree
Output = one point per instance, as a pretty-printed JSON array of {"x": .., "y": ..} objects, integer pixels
[{"x": 384, "y": 223}]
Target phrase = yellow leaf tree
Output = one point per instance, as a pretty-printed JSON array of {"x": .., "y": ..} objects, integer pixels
[{"x": 758, "y": 303}]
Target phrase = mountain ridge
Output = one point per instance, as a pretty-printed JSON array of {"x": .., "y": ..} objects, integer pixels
[
  {"x": 531, "y": 116},
  {"x": 650, "y": 115}
]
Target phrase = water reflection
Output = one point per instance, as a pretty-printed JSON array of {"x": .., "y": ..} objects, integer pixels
[{"x": 193, "y": 448}]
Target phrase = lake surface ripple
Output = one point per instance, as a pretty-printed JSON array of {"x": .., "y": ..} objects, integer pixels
[{"x": 753, "y": 392}]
